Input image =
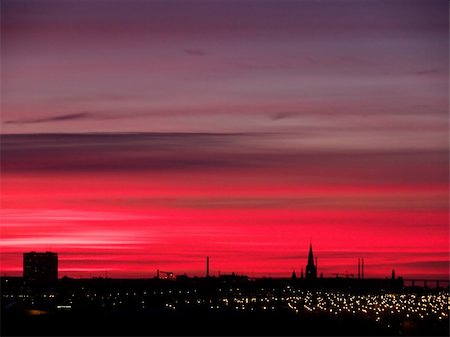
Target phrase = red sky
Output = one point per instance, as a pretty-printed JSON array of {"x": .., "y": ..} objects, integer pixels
[{"x": 147, "y": 135}]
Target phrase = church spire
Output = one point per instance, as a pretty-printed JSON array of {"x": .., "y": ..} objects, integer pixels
[
  {"x": 311, "y": 255},
  {"x": 294, "y": 275},
  {"x": 311, "y": 269}
]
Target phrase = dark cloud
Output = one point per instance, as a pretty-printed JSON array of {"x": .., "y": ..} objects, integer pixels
[
  {"x": 428, "y": 264},
  {"x": 221, "y": 154},
  {"x": 83, "y": 115},
  {"x": 282, "y": 115},
  {"x": 304, "y": 17},
  {"x": 369, "y": 255},
  {"x": 59, "y": 118},
  {"x": 428, "y": 71}
]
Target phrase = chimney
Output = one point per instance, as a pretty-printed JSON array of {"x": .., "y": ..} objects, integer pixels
[
  {"x": 359, "y": 268},
  {"x": 362, "y": 268},
  {"x": 207, "y": 266}
]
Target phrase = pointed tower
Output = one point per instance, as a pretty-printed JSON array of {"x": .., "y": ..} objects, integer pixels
[
  {"x": 311, "y": 270},
  {"x": 294, "y": 275}
]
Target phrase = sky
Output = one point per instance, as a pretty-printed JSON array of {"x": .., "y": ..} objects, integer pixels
[{"x": 142, "y": 135}]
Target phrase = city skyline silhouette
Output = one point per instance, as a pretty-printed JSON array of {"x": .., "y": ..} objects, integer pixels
[{"x": 43, "y": 266}]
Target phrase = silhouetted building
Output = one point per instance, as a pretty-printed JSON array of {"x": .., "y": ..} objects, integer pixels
[
  {"x": 233, "y": 277},
  {"x": 311, "y": 269},
  {"x": 40, "y": 266},
  {"x": 294, "y": 275},
  {"x": 182, "y": 277},
  {"x": 165, "y": 275}
]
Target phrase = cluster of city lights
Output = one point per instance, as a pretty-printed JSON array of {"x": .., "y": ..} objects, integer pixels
[
  {"x": 377, "y": 306},
  {"x": 406, "y": 305},
  {"x": 373, "y": 305}
]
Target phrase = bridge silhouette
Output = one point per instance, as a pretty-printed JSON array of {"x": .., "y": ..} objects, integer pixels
[{"x": 417, "y": 282}]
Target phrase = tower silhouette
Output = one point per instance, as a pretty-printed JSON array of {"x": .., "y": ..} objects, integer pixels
[
  {"x": 40, "y": 266},
  {"x": 311, "y": 269}
]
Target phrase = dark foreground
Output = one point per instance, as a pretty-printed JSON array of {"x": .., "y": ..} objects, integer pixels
[
  {"x": 206, "y": 323},
  {"x": 231, "y": 306}
]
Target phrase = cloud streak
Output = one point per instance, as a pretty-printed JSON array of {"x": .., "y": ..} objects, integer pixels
[
  {"x": 58, "y": 118},
  {"x": 262, "y": 154}
]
